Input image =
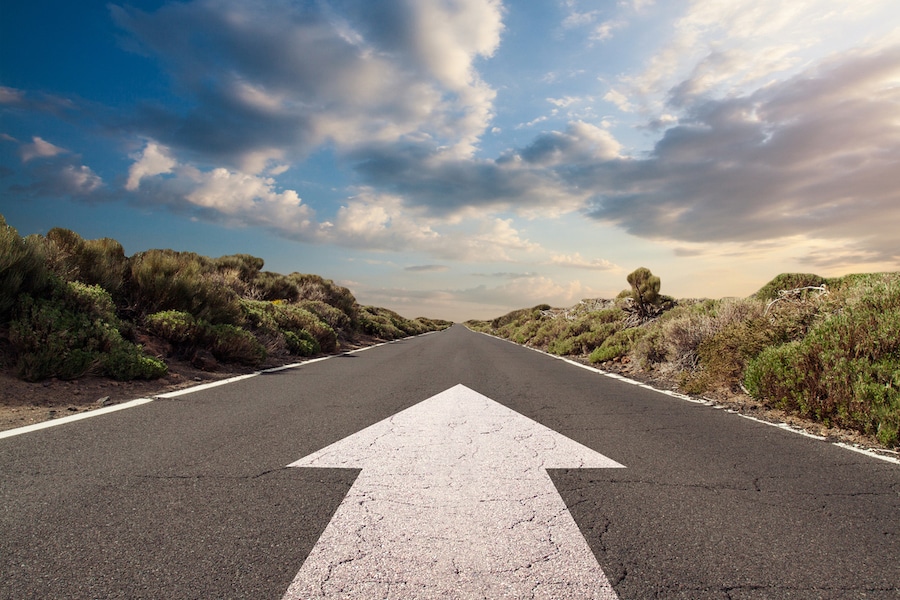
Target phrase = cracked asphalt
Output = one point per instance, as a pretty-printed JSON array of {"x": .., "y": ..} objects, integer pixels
[{"x": 191, "y": 497}]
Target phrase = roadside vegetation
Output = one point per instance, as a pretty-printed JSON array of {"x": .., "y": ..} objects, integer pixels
[
  {"x": 71, "y": 307},
  {"x": 824, "y": 349}
]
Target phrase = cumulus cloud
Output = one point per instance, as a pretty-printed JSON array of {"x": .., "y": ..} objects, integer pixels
[
  {"x": 155, "y": 160},
  {"x": 369, "y": 220},
  {"x": 384, "y": 222},
  {"x": 453, "y": 187},
  {"x": 277, "y": 80}
]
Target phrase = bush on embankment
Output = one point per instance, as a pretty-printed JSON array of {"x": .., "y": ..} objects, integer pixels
[
  {"x": 71, "y": 307},
  {"x": 826, "y": 349}
]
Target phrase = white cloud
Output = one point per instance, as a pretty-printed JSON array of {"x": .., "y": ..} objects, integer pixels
[
  {"x": 604, "y": 31},
  {"x": 154, "y": 160},
  {"x": 383, "y": 222},
  {"x": 725, "y": 48},
  {"x": 39, "y": 148},
  {"x": 274, "y": 82},
  {"x": 619, "y": 99},
  {"x": 579, "y": 262}
]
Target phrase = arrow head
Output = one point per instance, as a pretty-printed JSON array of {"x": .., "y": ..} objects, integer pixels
[{"x": 458, "y": 429}]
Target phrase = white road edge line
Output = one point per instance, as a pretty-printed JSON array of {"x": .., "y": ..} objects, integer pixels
[
  {"x": 197, "y": 388},
  {"x": 70, "y": 418},
  {"x": 704, "y": 401}
]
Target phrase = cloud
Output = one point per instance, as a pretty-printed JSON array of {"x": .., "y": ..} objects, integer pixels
[
  {"x": 814, "y": 155},
  {"x": 580, "y": 143},
  {"x": 604, "y": 31},
  {"x": 62, "y": 179},
  {"x": 370, "y": 220},
  {"x": 619, "y": 99},
  {"x": 154, "y": 160},
  {"x": 427, "y": 268},
  {"x": 39, "y": 148},
  {"x": 451, "y": 187},
  {"x": 726, "y": 48},
  {"x": 481, "y": 301},
  {"x": 265, "y": 83},
  {"x": 579, "y": 262},
  {"x": 383, "y": 222}
]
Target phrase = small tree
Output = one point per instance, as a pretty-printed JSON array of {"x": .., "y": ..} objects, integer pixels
[{"x": 644, "y": 289}]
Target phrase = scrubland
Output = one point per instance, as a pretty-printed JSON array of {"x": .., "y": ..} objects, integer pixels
[
  {"x": 70, "y": 307},
  {"x": 827, "y": 350}
]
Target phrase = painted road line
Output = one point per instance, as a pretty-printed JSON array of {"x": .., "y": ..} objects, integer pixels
[
  {"x": 71, "y": 418},
  {"x": 453, "y": 500}
]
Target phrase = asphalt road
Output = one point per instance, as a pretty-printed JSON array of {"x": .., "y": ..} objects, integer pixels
[{"x": 191, "y": 497}]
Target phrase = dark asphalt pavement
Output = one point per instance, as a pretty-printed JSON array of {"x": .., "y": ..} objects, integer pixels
[{"x": 191, "y": 497}]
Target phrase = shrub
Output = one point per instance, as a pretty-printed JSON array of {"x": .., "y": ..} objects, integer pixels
[
  {"x": 644, "y": 289},
  {"x": 175, "y": 326},
  {"x": 229, "y": 343},
  {"x": 377, "y": 322},
  {"x": 244, "y": 265},
  {"x": 72, "y": 332},
  {"x": 184, "y": 281},
  {"x": 787, "y": 281},
  {"x": 273, "y": 286},
  {"x": 846, "y": 370},
  {"x": 125, "y": 361},
  {"x": 291, "y": 317},
  {"x": 616, "y": 345},
  {"x": 301, "y": 343},
  {"x": 22, "y": 268},
  {"x": 330, "y": 315},
  {"x": 314, "y": 287}
]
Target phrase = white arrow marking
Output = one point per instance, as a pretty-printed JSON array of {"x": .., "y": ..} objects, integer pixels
[{"x": 453, "y": 501}]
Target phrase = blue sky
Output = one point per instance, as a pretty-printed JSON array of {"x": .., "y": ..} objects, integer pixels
[{"x": 462, "y": 158}]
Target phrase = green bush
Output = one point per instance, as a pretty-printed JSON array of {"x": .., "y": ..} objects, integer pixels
[
  {"x": 72, "y": 332},
  {"x": 328, "y": 314},
  {"x": 377, "y": 322},
  {"x": 787, "y": 281},
  {"x": 126, "y": 361},
  {"x": 273, "y": 286},
  {"x": 846, "y": 370},
  {"x": 175, "y": 326},
  {"x": 618, "y": 344},
  {"x": 229, "y": 343},
  {"x": 314, "y": 287},
  {"x": 291, "y": 317},
  {"x": 301, "y": 343},
  {"x": 96, "y": 262}
]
